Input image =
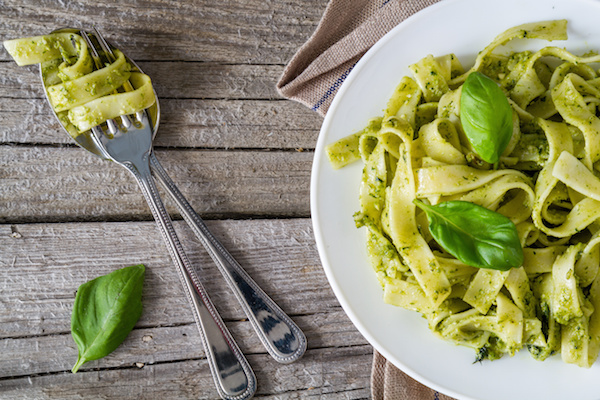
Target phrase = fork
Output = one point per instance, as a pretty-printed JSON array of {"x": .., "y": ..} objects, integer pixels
[
  {"x": 128, "y": 142},
  {"x": 131, "y": 148}
]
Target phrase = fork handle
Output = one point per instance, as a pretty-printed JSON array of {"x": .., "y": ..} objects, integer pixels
[
  {"x": 233, "y": 376},
  {"x": 282, "y": 338}
]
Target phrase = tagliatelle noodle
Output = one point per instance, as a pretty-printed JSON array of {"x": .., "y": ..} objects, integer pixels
[
  {"x": 547, "y": 184},
  {"x": 81, "y": 97}
]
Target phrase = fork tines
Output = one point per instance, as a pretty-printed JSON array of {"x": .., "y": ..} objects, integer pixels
[{"x": 102, "y": 53}]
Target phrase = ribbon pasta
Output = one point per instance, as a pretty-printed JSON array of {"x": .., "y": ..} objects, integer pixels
[
  {"x": 81, "y": 97},
  {"x": 547, "y": 183}
]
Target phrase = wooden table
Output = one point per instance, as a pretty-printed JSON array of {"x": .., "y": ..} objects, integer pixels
[{"x": 239, "y": 152}]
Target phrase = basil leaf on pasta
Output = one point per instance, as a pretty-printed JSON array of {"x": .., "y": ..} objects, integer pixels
[
  {"x": 486, "y": 116},
  {"x": 475, "y": 235}
]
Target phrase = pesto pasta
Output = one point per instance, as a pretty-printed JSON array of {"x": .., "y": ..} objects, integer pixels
[
  {"x": 81, "y": 96},
  {"x": 544, "y": 180}
]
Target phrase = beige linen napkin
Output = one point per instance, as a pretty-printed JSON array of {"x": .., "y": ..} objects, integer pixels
[{"x": 347, "y": 30}]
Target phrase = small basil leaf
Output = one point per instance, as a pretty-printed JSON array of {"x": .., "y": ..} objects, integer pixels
[
  {"x": 486, "y": 116},
  {"x": 105, "y": 311},
  {"x": 475, "y": 235}
]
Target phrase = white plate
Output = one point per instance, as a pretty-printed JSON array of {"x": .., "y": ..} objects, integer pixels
[{"x": 463, "y": 27}]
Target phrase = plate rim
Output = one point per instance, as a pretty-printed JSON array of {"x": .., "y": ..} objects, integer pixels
[{"x": 315, "y": 211}]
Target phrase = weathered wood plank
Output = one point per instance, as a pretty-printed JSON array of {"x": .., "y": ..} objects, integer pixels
[
  {"x": 238, "y": 124},
  {"x": 34, "y": 355},
  {"x": 201, "y": 107},
  {"x": 69, "y": 183},
  {"x": 330, "y": 373},
  {"x": 175, "y": 80},
  {"x": 41, "y": 266},
  {"x": 240, "y": 31},
  {"x": 228, "y": 140},
  {"x": 225, "y": 124},
  {"x": 204, "y": 105}
]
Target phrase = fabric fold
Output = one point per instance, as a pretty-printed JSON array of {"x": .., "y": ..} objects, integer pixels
[
  {"x": 389, "y": 383},
  {"x": 347, "y": 30}
]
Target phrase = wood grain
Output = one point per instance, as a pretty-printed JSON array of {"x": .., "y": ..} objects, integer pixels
[
  {"x": 61, "y": 184},
  {"x": 340, "y": 373},
  {"x": 40, "y": 279},
  {"x": 235, "y": 31},
  {"x": 171, "y": 79},
  {"x": 208, "y": 107},
  {"x": 242, "y": 156}
]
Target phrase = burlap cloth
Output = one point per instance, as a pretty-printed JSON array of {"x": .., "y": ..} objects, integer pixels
[{"x": 346, "y": 31}]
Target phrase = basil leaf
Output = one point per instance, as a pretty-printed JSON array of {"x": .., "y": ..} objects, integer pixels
[
  {"x": 475, "y": 235},
  {"x": 105, "y": 311},
  {"x": 486, "y": 116}
]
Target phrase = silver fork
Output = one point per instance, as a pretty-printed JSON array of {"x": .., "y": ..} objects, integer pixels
[
  {"x": 129, "y": 143},
  {"x": 131, "y": 148}
]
